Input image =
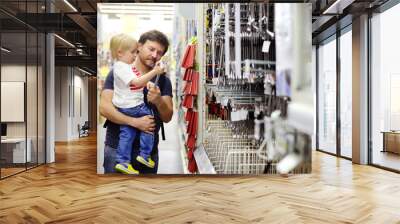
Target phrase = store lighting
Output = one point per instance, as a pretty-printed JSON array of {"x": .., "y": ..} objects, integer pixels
[
  {"x": 64, "y": 40},
  {"x": 5, "y": 50},
  {"x": 137, "y": 8},
  {"x": 70, "y": 5}
]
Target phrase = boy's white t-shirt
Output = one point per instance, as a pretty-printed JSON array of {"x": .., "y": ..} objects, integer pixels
[{"x": 125, "y": 95}]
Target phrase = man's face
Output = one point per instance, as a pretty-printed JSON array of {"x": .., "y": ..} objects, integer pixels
[{"x": 150, "y": 52}]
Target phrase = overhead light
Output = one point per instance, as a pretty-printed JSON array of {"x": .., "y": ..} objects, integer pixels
[
  {"x": 70, "y": 5},
  {"x": 64, "y": 40},
  {"x": 338, "y": 6},
  {"x": 131, "y": 12},
  {"x": 84, "y": 71},
  {"x": 5, "y": 50}
]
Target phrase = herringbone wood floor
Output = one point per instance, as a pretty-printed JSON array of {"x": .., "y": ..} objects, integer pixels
[{"x": 70, "y": 191}]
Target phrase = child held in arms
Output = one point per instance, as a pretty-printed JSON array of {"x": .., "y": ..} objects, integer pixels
[{"x": 129, "y": 99}]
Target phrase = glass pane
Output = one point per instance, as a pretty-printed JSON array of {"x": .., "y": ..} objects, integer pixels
[
  {"x": 386, "y": 89},
  {"x": 13, "y": 85},
  {"x": 17, "y": 9},
  {"x": 327, "y": 97},
  {"x": 314, "y": 74},
  {"x": 32, "y": 96},
  {"x": 346, "y": 94},
  {"x": 41, "y": 98}
]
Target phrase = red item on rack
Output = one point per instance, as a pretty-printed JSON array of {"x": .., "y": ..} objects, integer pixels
[
  {"x": 186, "y": 89},
  {"x": 185, "y": 55},
  {"x": 191, "y": 142},
  {"x": 188, "y": 74},
  {"x": 188, "y": 101},
  {"x": 222, "y": 113},
  {"x": 189, "y": 126},
  {"x": 194, "y": 84},
  {"x": 185, "y": 101},
  {"x": 188, "y": 58},
  {"x": 194, "y": 125},
  {"x": 190, "y": 154},
  {"x": 192, "y": 165},
  {"x": 188, "y": 115}
]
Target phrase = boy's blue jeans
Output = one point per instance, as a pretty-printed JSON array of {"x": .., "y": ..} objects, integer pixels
[{"x": 128, "y": 134}]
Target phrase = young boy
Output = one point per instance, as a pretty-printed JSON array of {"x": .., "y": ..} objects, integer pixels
[{"x": 128, "y": 98}]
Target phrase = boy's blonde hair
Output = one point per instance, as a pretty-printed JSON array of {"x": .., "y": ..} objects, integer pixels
[{"x": 121, "y": 42}]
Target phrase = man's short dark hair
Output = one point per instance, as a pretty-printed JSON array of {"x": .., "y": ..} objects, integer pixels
[{"x": 155, "y": 35}]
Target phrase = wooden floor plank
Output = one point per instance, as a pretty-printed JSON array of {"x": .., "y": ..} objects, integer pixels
[{"x": 70, "y": 191}]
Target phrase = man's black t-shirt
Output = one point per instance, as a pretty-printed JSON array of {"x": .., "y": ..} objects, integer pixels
[{"x": 112, "y": 134}]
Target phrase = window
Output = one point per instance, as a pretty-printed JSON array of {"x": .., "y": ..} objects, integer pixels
[
  {"x": 23, "y": 76},
  {"x": 385, "y": 89},
  {"x": 327, "y": 96},
  {"x": 346, "y": 94}
]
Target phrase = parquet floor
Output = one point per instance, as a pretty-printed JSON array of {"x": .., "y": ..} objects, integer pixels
[
  {"x": 9, "y": 171},
  {"x": 70, "y": 191}
]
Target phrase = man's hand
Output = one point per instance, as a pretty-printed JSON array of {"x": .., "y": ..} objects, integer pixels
[
  {"x": 154, "y": 94},
  {"x": 145, "y": 123},
  {"x": 163, "y": 103},
  {"x": 107, "y": 109}
]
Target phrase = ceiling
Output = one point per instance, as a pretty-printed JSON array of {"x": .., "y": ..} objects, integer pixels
[
  {"x": 75, "y": 21},
  {"x": 331, "y": 15}
]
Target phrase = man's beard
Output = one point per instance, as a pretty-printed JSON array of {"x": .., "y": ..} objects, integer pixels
[{"x": 149, "y": 63}]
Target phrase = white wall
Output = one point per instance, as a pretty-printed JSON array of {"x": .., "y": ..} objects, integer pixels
[
  {"x": 61, "y": 103},
  {"x": 80, "y": 100},
  {"x": 17, "y": 73},
  {"x": 71, "y": 94},
  {"x": 33, "y": 127}
]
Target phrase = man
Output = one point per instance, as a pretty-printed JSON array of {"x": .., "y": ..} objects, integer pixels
[{"x": 152, "y": 46}]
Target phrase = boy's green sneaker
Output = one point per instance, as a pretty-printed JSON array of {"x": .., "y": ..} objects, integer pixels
[
  {"x": 149, "y": 162},
  {"x": 126, "y": 168}
]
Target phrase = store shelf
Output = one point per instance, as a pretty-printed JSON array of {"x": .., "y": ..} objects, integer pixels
[
  {"x": 204, "y": 164},
  {"x": 182, "y": 139}
]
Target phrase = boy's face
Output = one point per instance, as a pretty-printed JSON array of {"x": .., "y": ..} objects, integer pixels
[{"x": 128, "y": 56}]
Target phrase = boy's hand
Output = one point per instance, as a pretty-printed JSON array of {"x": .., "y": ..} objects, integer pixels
[{"x": 160, "y": 68}]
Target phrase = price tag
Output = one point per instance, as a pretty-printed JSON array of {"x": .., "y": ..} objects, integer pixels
[
  {"x": 265, "y": 47},
  {"x": 243, "y": 114}
]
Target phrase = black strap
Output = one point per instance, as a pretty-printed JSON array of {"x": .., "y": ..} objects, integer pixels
[
  {"x": 160, "y": 83},
  {"x": 105, "y": 125},
  {"x": 162, "y": 131}
]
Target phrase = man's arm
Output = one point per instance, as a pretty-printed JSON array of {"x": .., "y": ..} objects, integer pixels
[
  {"x": 163, "y": 103},
  {"x": 165, "y": 108},
  {"x": 108, "y": 110}
]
